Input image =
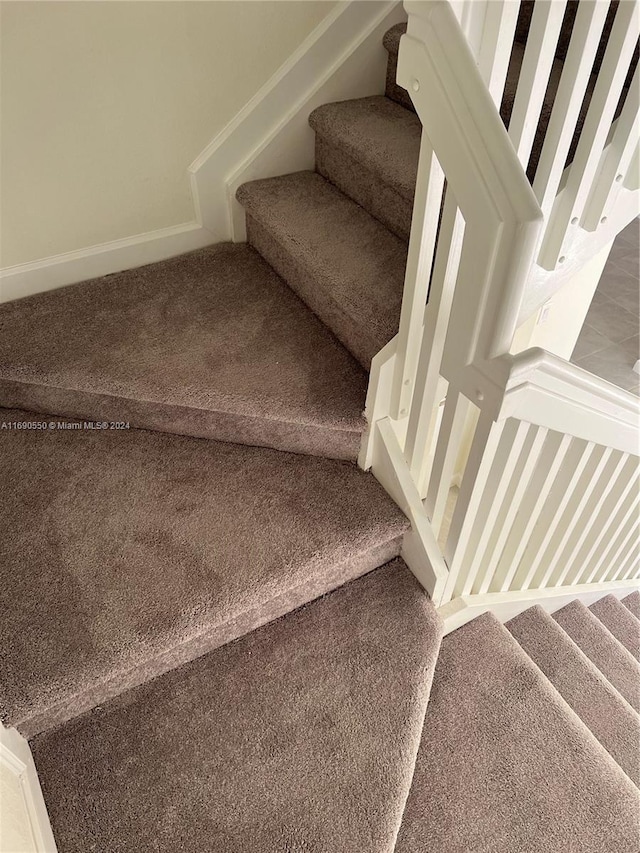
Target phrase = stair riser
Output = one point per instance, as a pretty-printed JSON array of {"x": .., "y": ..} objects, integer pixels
[
  {"x": 335, "y": 576},
  {"x": 392, "y": 90},
  {"x": 307, "y": 439},
  {"x": 360, "y": 184},
  {"x": 301, "y": 282}
]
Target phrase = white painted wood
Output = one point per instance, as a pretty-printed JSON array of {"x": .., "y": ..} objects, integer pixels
[
  {"x": 576, "y": 70},
  {"x": 564, "y": 487},
  {"x": 24, "y": 822},
  {"x": 447, "y": 449},
  {"x": 576, "y": 526},
  {"x": 378, "y": 404},
  {"x": 434, "y": 332},
  {"x": 531, "y": 507},
  {"x": 615, "y": 516},
  {"x": 505, "y": 459},
  {"x": 582, "y": 171},
  {"x": 390, "y": 468},
  {"x": 615, "y": 161},
  {"x": 71, "y": 267},
  {"x": 534, "y": 74},
  {"x": 472, "y": 17},
  {"x": 507, "y": 605},
  {"x": 609, "y": 561},
  {"x": 422, "y": 477},
  {"x": 502, "y": 217},
  {"x": 511, "y": 505},
  {"x": 629, "y": 558},
  {"x": 606, "y": 504},
  {"x": 622, "y": 545},
  {"x": 546, "y": 390},
  {"x": 422, "y": 246},
  {"x": 564, "y": 524},
  {"x": 477, "y": 470},
  {"x": 500, "y": 21},
  {"x": 582, "y": 247},
  {"x": 342, "y": 58}
]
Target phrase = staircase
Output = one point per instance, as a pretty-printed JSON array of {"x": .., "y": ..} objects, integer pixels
[{"x": 212, "y": 633}]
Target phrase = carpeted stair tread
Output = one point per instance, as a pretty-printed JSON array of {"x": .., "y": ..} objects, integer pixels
[
  {"x": 503, "y": 758},
  {"x": 583, "y": 687},
  {"x": 342, "y": 262},
  {"x": 126, "y": 553},
  {"x": 620, "y": 621},
  {"x": 632, "y": 603},
  {"x": 298, "y": 737},
  {"x": 369, "y": 149},
  {"x": 211, "y": 344},
  {"x": 615, "y": 662}
]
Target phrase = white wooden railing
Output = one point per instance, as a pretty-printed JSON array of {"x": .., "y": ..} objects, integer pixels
[{"x": 545, "y": 454}]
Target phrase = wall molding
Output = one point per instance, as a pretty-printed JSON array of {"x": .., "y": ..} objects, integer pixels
[
  {"x": 16, "y": 758},
  {"x": 103, "y": 259},
  {"x": 342, "y": 58}
]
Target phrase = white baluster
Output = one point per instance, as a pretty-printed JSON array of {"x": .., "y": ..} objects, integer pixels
[
  {"x": 570, "y": 204},
  {"x": 534, "y": 74}
]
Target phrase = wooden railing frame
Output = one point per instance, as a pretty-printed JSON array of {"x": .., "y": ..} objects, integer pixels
[{"x": 476, "y": 279}]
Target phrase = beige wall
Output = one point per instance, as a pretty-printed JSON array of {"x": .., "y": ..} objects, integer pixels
[{"x": 105, "y": 104}]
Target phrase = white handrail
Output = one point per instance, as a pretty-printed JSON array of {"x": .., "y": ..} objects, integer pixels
[
  {"x": 540, "y": 449},
  {"x": 464, "y": 129}
]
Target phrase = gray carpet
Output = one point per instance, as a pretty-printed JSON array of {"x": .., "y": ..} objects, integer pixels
[
  {"x": 298, "y": 738},
  {"x": 624, "y": 626},
  {"x": 342, "y": 262},
  {"x": 581, "y": 684},
  {"x": 615, "y": 662},
  {"x": 632, "y": 603},
  {"x": 505, "y": 766},
  {"x": 124, "y": 554},
  {"x": 139, "y": 569},
  {"x": 369, "y": 149},
  {"x": 211, "y": 344}
]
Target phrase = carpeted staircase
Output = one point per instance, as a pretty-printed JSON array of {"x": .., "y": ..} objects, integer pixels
[{"x": 207, "y": 631}]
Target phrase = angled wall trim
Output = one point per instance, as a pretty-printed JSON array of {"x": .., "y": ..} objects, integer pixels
[
  {"x": 342, "y": 58},
  {"x": 104, "y": 259}
]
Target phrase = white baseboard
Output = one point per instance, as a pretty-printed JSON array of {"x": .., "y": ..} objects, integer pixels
[
  {"x": 507, "y": 605},
  {"x": 342, "y": 58},
  {"x": 95, "y": 261},
  {"x": 24, "y": 827}
]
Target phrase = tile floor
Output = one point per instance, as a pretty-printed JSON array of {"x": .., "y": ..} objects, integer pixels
[{"x": 609, "y": 342}]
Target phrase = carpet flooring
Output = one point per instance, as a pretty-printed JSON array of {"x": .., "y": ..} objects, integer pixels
[
  {"x": 338, "y": 258},
  {"x": 369, "y": 149},
  {"x": 616, "y": 663},
  {"x": 581, "y": 684},
  {"x": 299, "y": 737},
  {"x": 125, "y": 553},
  {"x": 505, "y": 766},
  {"x": 624, "y": 626},
  {"x": 210, "y": 344},
  {"x": 213, "y": 643}
]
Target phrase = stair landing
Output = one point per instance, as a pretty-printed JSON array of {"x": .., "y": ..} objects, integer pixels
[
  {"x": 299, "y": 737},
  {"x": 210, "y": 344},
  {"x": 127, "y": 553}
]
